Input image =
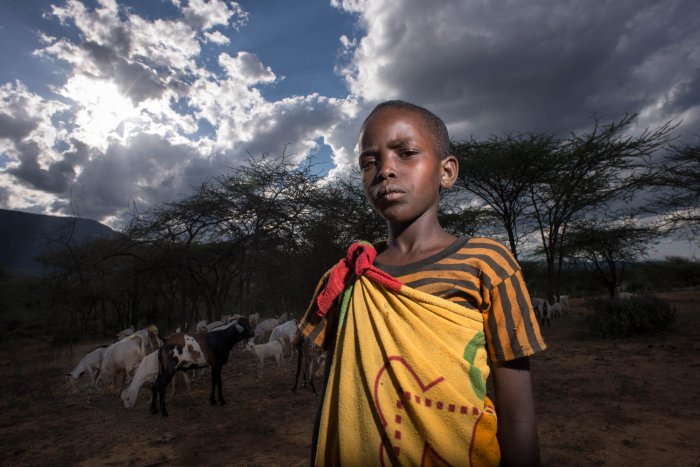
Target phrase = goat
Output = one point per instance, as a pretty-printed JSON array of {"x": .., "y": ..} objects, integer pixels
[
  {"x": 124, "y": 356},
  {"x": 555, "y": 309},
  {"x": 547, "y": 314},
  {"x": 90, "y": 363},
  {"x": 213, "y": 325},
  {"x": 311, "y": 361},
  {"x": 125, "y": 332},
  {"x": 539, "y": 305},
  {"x": 563, "y": 300},
  {"x": 273, "y": 349},
  {"x": 284, "y": 333},
  {"x": 204, "y": 326},
  {"x": 201, "y": 326},
  {"x": 253, "y": 318},
  {"x": 147, "y": 372},
  {"x": 228, "y": 318},
  {"x": 626, "y": 295},
  {"x": 283, "y": 317},
  {"x": 184, "y": 351},
  {"x": 264, "y": 328}
]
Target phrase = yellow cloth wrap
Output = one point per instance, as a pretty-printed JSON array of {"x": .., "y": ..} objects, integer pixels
[{"x": 407, "y": 384}]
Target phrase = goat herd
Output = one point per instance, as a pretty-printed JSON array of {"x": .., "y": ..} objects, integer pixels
[
  {"x": 546, "y": 311},
  {"x": 143, "y": 356}
]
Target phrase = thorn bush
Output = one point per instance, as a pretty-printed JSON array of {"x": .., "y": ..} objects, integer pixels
[{"x": 615, "y": 317}]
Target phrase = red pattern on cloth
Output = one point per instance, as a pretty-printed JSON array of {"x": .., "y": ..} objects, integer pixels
[{"x": 359, "y": 260}]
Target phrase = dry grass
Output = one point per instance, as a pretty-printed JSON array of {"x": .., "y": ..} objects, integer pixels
[{"x": 620, "y": 402}]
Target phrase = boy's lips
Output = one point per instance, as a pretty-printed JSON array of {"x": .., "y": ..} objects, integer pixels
[{"x": 389, "y": 192}]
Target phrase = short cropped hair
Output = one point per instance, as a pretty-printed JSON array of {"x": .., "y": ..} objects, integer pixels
[{"x": 434, "y": 123}]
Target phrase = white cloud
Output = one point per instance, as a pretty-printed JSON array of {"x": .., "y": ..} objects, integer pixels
[
  {"x": 100, "y": 25},
  {"x": 246, "y": 68},
  {"x": 206, "y": 14},
  {"x": 28, "y": 138},
  {"x": 216, "y": 37},
  {"x": 138, "y": 117},
  {"x": 127, "y": 129},
  {"x": 170, "y": 44}
]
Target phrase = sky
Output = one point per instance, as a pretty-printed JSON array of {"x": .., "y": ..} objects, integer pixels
[{"x": 109, "y": 104}]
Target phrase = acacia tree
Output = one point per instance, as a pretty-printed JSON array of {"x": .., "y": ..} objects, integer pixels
[
  {"x": 589, "y": 173},
  {"x": 220, "y": 234},
  {"x": 678, "y": 190},
  {"x": 607, "y": 246},
  {"x": 500, "y": 171}
]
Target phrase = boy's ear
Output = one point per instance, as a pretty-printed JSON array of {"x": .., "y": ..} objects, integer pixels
[{"x": 450, "y": 169}]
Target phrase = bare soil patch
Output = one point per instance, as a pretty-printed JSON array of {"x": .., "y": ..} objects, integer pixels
[{"x": 626, "y": 402}]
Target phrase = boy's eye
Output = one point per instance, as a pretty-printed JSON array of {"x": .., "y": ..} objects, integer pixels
[
  {"x": 408, "y": 153},
  {"x": 367, "y": 162}
]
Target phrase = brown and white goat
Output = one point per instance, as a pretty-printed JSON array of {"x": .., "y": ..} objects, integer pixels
[{"x": 186, "y": 351}]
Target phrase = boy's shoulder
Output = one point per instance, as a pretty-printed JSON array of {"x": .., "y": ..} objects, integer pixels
[
  {"x": 492, "y": 253},
  {"x": 488, "y": 243}
]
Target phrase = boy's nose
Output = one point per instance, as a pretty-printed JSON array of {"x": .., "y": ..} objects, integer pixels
[{"x": 387, "y": 168}]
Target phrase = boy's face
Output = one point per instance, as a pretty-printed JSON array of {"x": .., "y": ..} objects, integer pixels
[{"x": 401, "y": 171}]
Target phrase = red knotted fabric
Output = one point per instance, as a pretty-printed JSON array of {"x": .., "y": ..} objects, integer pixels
[{"x": 359, "y": 260}]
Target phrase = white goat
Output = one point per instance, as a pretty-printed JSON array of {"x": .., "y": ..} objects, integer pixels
[
  {"x": 626, "y": 295},
  {"x": 271, "y": 350},
  {"x": 146, "y": 372},
  {"x": 264, "y": 328},
  {"x": 151, "y": 338},
  {"x": 90, "y": 364},
  {"x": 123, "y": 357},
  {"x": 555, "y": 310},
  {"x": 120, "y": 359},
  {"x": 563, "y": 300},
  {"x": 201, "y": 326},
  {"x": 284, "y": 334}
]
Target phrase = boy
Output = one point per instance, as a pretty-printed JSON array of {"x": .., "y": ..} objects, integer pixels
[{"x": 412, "y": 322}]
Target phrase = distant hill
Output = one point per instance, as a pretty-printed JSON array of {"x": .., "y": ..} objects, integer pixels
[{"x": 24, "y": 236}]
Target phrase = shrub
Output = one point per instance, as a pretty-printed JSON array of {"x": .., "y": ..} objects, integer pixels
[{"x": 614, "y": 317}]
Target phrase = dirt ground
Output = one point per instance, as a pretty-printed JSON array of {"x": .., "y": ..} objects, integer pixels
[{"x": 626, "y": 402}]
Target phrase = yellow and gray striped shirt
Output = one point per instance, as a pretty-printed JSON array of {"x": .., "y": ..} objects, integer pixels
[{"x": 477, "y": 273}]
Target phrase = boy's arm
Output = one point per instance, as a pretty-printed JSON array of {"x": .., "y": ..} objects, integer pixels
[{"x": 517, "y": 430}]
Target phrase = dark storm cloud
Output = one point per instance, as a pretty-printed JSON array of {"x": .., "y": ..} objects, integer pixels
[
  {"x": 149, "y": 171},
  {"x": 489, "y": 67},
  {"x": 30, "y": 173},
  {"x": 57, "y": 177},
  {"x": 15, "y": 128}
]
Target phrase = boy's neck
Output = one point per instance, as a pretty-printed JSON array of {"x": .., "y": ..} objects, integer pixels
[{"x": 408, "y": 245}]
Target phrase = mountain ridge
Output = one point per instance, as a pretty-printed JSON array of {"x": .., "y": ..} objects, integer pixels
[{"x": 24, "y": 236}]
